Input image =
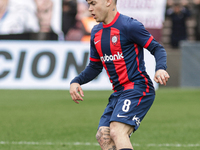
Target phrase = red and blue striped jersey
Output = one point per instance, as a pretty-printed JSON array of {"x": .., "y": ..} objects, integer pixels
[{"x": 118, "y": 47}]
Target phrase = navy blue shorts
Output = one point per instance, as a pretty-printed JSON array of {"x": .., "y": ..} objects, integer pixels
[{"x": 128, "y": 107}]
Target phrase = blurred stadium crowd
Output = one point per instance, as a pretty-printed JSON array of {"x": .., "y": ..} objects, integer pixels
[
  {"x": 19, "y": 22},
  {"x": 34, "y": 22},
  {"x": 182, "y": 22}
]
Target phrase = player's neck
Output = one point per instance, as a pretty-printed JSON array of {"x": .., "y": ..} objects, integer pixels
[{"x": 111, "y": 15}]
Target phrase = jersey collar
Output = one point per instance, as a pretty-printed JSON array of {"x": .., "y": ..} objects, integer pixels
[{"x": 114, "y": 20}]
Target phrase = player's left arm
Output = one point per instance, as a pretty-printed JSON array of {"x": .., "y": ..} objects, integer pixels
[
  {"x": 138, "y": 34},
  {"x": 161, "y": 75}
]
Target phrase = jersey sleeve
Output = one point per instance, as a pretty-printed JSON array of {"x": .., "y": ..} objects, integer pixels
[
  {"x": 93, "y": 69},
  {"x": 139, "y": 35},
  {"x": 94, "y": 56},
  {"x": 159, "y": 53}
]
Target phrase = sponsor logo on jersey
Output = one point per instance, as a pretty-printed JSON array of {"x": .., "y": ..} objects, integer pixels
[
  {"x": 117, "y": 56},
  {"x": 137, "y": 120}
]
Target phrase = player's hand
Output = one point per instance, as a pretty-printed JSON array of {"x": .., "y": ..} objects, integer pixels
[
  {"x": 76, "y": 92},
  {"x": 161, "y": 76}
]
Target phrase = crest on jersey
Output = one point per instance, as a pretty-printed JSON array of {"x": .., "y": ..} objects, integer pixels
[{"x": 114, "y": 39}]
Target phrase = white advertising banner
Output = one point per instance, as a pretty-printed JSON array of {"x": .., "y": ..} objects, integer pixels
[
  {"x": 150, "y": 12},
  {"x": 50, "y": 65}
]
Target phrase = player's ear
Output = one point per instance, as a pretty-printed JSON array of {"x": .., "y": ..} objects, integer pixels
[{"x": 109, "y": 2}]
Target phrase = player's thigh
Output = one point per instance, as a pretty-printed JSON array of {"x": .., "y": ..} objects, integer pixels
[
  {"x": 120, "y": 128},
  {"x": 105, "y": 118}
]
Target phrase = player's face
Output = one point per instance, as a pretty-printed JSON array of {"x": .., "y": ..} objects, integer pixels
[{"x": 98, "y": 9}]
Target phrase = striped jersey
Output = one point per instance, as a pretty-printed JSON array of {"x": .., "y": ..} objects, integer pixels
[{"x": 118, "y": 47}]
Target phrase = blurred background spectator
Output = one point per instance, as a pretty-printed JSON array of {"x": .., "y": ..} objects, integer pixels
[
  {"x": 44, "y": 12},
  {"x": 84, "y": 23},
  {"x": 26, "y": 20},
  {"x": 69, "y": 11},
  {"x": 197, "y": 18},
  {"x": 178, "y": 13},
  {"x": 16, "y": 19}
]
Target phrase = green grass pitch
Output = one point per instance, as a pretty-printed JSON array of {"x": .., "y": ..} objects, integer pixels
[{"x": 50, "y": 120}]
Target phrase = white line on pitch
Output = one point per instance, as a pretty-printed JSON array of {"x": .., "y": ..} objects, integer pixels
[{"x": 94, "y": 144}]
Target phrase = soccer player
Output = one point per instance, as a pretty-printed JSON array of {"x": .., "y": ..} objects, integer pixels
[{"x": 117, "y": 44}]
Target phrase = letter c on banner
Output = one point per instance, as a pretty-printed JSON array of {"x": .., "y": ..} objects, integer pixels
[{"x": 7, "y": 56}]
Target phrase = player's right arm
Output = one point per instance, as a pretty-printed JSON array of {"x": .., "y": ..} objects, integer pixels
[
  {"x": 75, "y": 89},
  {"x": 88, "y": 74}
]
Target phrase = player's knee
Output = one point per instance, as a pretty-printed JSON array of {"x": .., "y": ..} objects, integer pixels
[
  {"x": 103, "y": 135},
  {"x": 113, "y": 133},
  {"x": 98, "y": 135},
  {"x": 119, "y": 130}
]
